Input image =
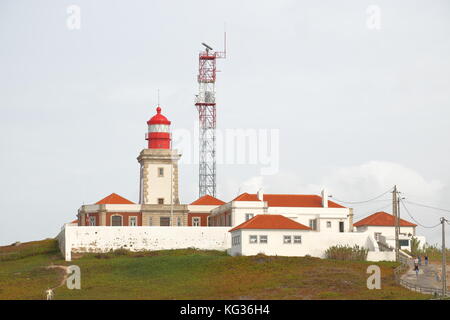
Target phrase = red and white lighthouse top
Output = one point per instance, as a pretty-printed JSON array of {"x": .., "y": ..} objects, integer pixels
[
  {"x": 158, "y": 118},
  {"x": 158, "y": 135}
]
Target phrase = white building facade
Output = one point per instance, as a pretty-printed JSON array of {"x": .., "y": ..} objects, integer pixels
[{"x": 314, "y": 211}]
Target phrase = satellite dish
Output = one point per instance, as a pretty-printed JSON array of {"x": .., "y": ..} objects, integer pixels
[{"x": 206, "y": 46}]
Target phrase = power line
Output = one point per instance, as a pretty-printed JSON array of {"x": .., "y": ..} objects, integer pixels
[
  {"x": 429, "y": 207},
  {"x": 409, "y": 213},
  {"x": 377, "y": 210},
  {"x": 369, "y": 200},
  {"x": 370, "y": 203}
]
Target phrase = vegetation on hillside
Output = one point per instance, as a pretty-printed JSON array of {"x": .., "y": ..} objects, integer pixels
[
  {"x": 340, "y": 252},
  {"x": 434, "y": 252},
  {"x": 191, "y": 274}
]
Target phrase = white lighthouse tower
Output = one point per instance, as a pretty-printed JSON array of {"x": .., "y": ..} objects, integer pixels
[{"x": 158, "y": 187}]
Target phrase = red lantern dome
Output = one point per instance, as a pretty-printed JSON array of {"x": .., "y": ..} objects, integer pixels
[
  {"x": 158, "y": 118},
  {"x": 158, "y": 135}
]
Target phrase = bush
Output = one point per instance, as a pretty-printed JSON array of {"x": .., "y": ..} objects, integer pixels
[
  {"x": 340, "y": 252},
  {"x": 434, "y": 252}
]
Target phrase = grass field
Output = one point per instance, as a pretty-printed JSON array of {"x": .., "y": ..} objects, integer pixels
[{"x": 189, "y": 274}]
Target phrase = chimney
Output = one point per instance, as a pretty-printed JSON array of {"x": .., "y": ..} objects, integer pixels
[
  {"x": 324, "y": 198},
  {"x": 260, "y": 195}
]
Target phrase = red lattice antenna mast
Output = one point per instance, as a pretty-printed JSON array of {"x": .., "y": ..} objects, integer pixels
[{"x": 206, "y": 106}]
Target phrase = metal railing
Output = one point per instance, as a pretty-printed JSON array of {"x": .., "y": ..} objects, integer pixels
[{"x": 405, "y": 264}]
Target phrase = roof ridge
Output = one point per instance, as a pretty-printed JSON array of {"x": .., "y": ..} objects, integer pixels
[{"x": 272, "y": 221}]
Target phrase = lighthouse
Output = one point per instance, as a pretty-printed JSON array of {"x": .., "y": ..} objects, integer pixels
[
  {"x": 158, "y": 183},
  {"x": 158, "y": 135}
]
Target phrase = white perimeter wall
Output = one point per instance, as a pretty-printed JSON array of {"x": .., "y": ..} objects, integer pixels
[{"x": 103, "y": 239}]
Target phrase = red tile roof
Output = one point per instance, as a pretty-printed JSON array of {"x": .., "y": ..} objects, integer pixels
[
  {"x": 289, "y": 200},
  {"x": 270, "y": 221},
  {"x": 114, "y": 198},
  {"x": 382, "y": 219},
  {"x": 207, "y": 200}
]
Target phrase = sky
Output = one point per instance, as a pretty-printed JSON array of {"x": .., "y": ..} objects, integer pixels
[{"x": 354, "y": 96}]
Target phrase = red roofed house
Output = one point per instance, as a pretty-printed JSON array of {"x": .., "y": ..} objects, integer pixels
[
  {"x": 381, "y": 226},
  {"x": 270, "y": 234},
  {"x": 200, "y": 210},
  {"x": 112, "y": 210},
  {"x": 317, "y": 212}
]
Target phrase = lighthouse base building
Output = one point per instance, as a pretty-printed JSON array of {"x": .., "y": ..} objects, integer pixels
[{"x": 274, "y": 224}]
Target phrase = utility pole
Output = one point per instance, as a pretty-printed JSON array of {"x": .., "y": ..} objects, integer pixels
[
  {"x": 444, "y": 260},
  {"x": 396, "y": 222}
]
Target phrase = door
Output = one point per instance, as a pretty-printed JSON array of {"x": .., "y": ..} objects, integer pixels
[
  {"x": 341, "y": 226},
  {"x": 164, "y": 221},
  {"x": 116, "y": 221}
]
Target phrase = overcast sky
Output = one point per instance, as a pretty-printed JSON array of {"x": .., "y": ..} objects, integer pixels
[{"x": 360, "y": 103}]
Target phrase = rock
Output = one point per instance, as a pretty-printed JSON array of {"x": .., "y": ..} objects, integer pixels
[{"x": 15, "y": 244}]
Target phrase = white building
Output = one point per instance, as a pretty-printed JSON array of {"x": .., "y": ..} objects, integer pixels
[
  {"x": 269, "y": 234},
  {"x": 317, "y": 212},
  {"x": 381, "y": 226}
]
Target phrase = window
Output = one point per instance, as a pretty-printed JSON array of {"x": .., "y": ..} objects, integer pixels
[
  {"x": 297, "y": 239},
  {"x": 196, "y": 221},
  {"x": 328, "y": 224},
  {"x": 236, "y": 240},
  {"x": 253, "y": 239},
  {"x": 150, "y": 221},
  {"x": 116, "y": 221},
  {"x": 403, "y": 243},
  {"x": 160, "y": 200},
  {"x": 164, "y": 221},
  {"x": 133, "y": 221},
  {"x": 160, "y": 172},
  {"x": 248, "y": 216},
  {"x": 158, "y": 128},
  {"x": 341, "y": 226},
  {"x": 179, "y": 221},
  {"x": 263, "y": 239},
  {"x": 287, "y": 239},
  {"x": 377, "y": 236},
  {"x": 92, "y": 221},
  {"x": 313, "y": 224}
]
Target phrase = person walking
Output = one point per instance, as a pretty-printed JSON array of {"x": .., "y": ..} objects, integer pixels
[
  {"x": 420, "y": 260},
  {"x": 426, "y": 259},
  {"x": 416, "y": 266},
  {"x": 49, "y": 294}
]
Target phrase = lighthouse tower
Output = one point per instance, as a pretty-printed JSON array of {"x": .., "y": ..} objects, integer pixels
[{"x": 159, "y": 164}]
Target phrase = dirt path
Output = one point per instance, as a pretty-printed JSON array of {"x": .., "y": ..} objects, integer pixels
[{"x": 66, "y": 273}]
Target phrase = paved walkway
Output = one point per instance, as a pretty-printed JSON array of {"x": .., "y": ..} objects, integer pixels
[{"x": 427, "y": 277}]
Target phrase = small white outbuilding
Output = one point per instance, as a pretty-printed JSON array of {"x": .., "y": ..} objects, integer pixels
[
  {"x": 381, "y": 225},
  {"x": 269, "y": 234}
]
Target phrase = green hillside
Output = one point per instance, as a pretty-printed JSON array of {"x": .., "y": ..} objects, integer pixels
[{"x": 189, "y": 274}]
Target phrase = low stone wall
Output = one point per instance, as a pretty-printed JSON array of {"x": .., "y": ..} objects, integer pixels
[
  {"x": 381, "y": 256},
  {"x": 63, "y": 244},
  {"x": 103, "y": 239}
]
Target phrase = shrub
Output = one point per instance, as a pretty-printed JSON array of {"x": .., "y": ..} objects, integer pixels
[
  {"x": 346, "y": 252},
  {"x": 121, "y": 252}
]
